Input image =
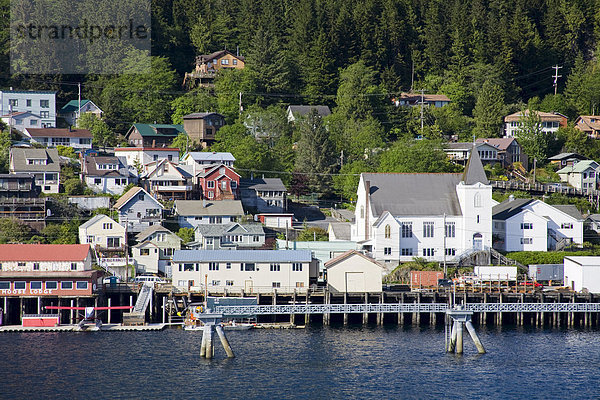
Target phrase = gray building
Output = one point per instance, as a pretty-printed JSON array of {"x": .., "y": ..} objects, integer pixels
[
  {"x": 44, "y": 164},
  {"x": 230, "y": 236},
  {"x": 138, "y": 210},
  {"x": 264, "y": 195},
  {"x": 191, "y": 213}
]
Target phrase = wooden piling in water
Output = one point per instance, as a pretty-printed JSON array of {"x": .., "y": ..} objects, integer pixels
[
  {"x": 365, "y": 319},
  {"x": 224, "y": 341}
]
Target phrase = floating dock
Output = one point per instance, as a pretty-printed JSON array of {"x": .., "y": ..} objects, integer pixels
[{"x": 75, "y": 328}]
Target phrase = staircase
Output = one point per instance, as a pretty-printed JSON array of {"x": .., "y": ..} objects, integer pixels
[
  {"x": 560, "y": 243},
  {"x": 503, "y": 260},
  {"x": 137, "y": 316}
]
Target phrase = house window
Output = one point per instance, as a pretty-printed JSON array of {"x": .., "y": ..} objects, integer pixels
[
  {"x": 213, "y": 266},
  {"x": 209, "y": 241},
  {"x": 4, "y": 285},
  {"x": 210, "y": 184},
  {"x": 113, "y": 242},
  {"x": 33, "y": 122},
  {"x": 35, "y": 285},
  {"x": 28, "y": 101},
  {"x": 566, "y": 225},
  {"x": 249, "y": 266},
  {"x": 362, "y": 211},
  {"x": 407, "y": 251},
  {"x": 73, "y": 266},
  {"x": 428, "y": 229},
  {"x": 228, "y": 266},
  {"x": 36, "y": 266},
  {"x": 20, "y": 285},
  {"x": 450, "y": 229},
  {"x": 215, "y": 220},
  {"x": 51, "y": 285},
  {"x": 168, "y": 252},
  {"x": 297, "y": 267},
  {"x": 388, "y": 231},
  {"x": 276, "y": 284},
  {"x": 526, "y": 225},
  {"x": 44, "y": 103},
  {"x": 215, "y": 283},
  {"x": 97, "y": 181},
  {"x": 256, "y": 238},
  {"x": 81, "y": 285},
  {"x": 85, "y": 141},
  {"x": 299, "y": 284},
  {"x": 141, "y": 197},
  {"x": 407, "y": 229},
  {"x": 45, "y": 114},
  {"x": 21, "y": 264},
  {"x": 233, "y": 184},
  {"x": 228, "y": 283},
  {"x": 224, "y": 62},
  {"x": 188, "y": 267},
  {"x": 387, "y": 251},
  {"x": 234, "y": 62},
  {"x": 210, "y": 195},
  {"x": 450, "y": 252},
  {"x": 526, "y": 240},
  {"x": 13, "y": 102},
  {"x": 107, "y": 225},
  {"x": 429, "y": 252},
  {"x": 144, "y": 252},
  {"x": 90, "y": 239},
  {"x": 275, "y": 267},
  {"x": 66, "y": 285},
  {"x": 198, "y": 218}
]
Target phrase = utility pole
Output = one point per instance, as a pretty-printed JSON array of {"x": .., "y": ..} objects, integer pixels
[
  {"x": 556, "y": 76},
  {"x": 241, "y": 108},
  {"x": 10, "y": 117},
  {"x": 422, "y": 104},
  {"x": 342, "y": 159},
  {"x": 78, "y": 102}
]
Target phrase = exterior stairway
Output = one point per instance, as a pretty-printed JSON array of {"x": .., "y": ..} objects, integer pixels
[{"x": 137, "y": 315}]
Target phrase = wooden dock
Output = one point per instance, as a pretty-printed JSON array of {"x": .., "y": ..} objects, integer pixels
[{"x": 75, "y": 328}]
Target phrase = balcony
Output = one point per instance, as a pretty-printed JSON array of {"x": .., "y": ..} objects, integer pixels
[
  {"x": 112, "y": 262},
  {"x": 172, "y": 188}
]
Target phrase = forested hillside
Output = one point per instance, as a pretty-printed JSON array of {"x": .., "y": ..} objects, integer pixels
[{"x": 490, "y": 57}]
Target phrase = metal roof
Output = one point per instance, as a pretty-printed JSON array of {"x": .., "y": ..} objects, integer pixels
[
  {"x": 578, "y": 167},
  {"x": 210, "y": 156},
  {"x": 258, "y": 256},
  {"x": 232, "y": 228},
  {"x": 263, "y": 184},
  {"x": 509, "y": 208}
]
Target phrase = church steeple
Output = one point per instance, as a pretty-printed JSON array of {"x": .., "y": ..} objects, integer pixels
[{"x": 474, "y": 171}]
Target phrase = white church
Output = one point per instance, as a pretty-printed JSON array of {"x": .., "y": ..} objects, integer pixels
[{"x": 436, "y": 216}]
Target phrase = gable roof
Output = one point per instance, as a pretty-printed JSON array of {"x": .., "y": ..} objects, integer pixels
[
  {"x": 202, "y": 115},
  {"x": 198, "y": 208},
  {"x": 243, "y": 255},
  {"x": 20, "y": 115},
  {"x": 474, "y": 171},
  {"x": 96, "y": 219},
  {"x": 569, "y": 209},
  {"x": 274, "y": 184},
  {"x": 130, "y": 195},
  {"x": 350, "y": 253},
  {"x": 90, "y": 169},
  {"x": 44, "y": 252},
  {"x": 184, "y": 171},
  {"x": 212, "y": 157},
  {"x": 544, "y": 116},
  {"x": 341, "y": 230},
  {"x": 59, "y": 132},
  {"x": 220, "y": 230},
  {"x": 413, "y": 193},
  {"x": 143, "y": 235},
  {"x": 509, "y": 208},
  {"x": 578, "y": 167},
  {"x": 217, "y": 54},
  {"x": 566, "y": 156},
  {"x": 323, "y": 111},
  {"x": 20, "y": 156},
  {"x": 499, "y": 143},
  {"x": 588, "y": 122},
  {"x": 74, "y": 105},
  {"x": 162, "y": 130},
  {"x": 412, "y": 97}
]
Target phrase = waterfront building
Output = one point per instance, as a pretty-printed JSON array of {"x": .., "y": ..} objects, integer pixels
[
  {"x": 156, "y": 245},
  {"x": 582, "y": 273},
  {"x": 439, "y": 217},
  {"x": 354, "y": 272},
  {"x": 229, "y": 236},
  {"x": 250, "y": 271}
]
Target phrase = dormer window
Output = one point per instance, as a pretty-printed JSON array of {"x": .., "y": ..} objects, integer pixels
[{"x": 36, "y": 161}]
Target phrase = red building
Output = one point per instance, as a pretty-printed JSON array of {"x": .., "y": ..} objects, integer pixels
[{"x": 219, "y": 182}]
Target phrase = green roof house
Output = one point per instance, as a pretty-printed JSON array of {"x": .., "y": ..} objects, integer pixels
[
  {"x": 153, "y": 135},
  {"x": 582, "y": 175},
  {"x": 69, "y": 112}
]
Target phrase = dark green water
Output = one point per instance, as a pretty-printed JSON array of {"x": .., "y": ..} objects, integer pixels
[{"x": 317, "y": 363}]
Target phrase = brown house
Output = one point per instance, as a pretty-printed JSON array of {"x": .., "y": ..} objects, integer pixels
[
  {"x": 590, "y": 124},
  {"x": 153, "y": 135},
  {"x": 207, "y": 66},
  {"x": 202, "y": 127}
]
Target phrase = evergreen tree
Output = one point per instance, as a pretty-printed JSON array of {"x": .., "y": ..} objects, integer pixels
[{"x": 489, "y": 111}]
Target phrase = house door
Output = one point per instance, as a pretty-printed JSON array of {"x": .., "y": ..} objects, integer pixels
[
  {"x": 355, "y": 282},
  {"x": 224, "y": 185},
  {"x": 477, "y": 241},
  {"x": 248, "y": 286}
]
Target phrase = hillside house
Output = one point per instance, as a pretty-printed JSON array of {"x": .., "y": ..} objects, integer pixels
[
  {"x": 107, "y": 174},
  {"x": 43, "y": 164},
  {"x": 79, "y": 139},
  {"x": 153, "y": 135},
  {"x": 156, "y": 245},
  {"x": 75, "y": 108},
  {"x": 202, "y": 127},
  {"x": 37, "y": 103},
  {"x": 550, "y": 122},
  {"x": 191, "y": 213},
  {"x": 582, "y": 175},
  {"x": 138, "y": 210}
]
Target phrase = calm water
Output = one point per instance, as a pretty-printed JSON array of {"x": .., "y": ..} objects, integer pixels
[{"x": 316, "y": 363}]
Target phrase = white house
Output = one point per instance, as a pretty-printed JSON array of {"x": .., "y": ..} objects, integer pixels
[
  {"x": 198, "y": 159},
  {"x": 191, "y": 213},
  {"x": 138, "y": 210},
  {"x": 102, "y": 232},
  {"x": 166, "y": 180},
  {"x": 107, "y": 174},
  {"x": 354, "y": 272},
  {"x": 75, "y": 108},
  {"x": 156, "y": 245},
  {"x": 39, "y": 103},
  {"x": 295, "y": 112},
  {"x": 581, "y": 175},
  {"x": 250, "y": 271},
  {"x": 435, "y": 216},
  {"x": 532, "y": 225},
  {"x": 52, "y": 137},
  {"x": 582, "y": 272},
  {"x": 140, "y": 156},
  {"x": 549, "y": 122},
  {"x": 45, "y": 257},
  {"x": 229, "y": 236}
]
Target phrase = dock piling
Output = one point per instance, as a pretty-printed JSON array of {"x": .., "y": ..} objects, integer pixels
[{"x": 224, "y": 341}]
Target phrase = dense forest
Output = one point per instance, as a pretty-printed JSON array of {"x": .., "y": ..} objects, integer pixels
[{"x": 490, "y": 57}]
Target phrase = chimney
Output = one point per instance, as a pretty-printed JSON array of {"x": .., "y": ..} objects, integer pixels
[
  {"x": 511, "y": 198},
  {"x": 367, "y": 197}
]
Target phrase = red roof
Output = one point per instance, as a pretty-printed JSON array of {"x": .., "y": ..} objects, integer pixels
[{"x": 44, "y": 252}]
